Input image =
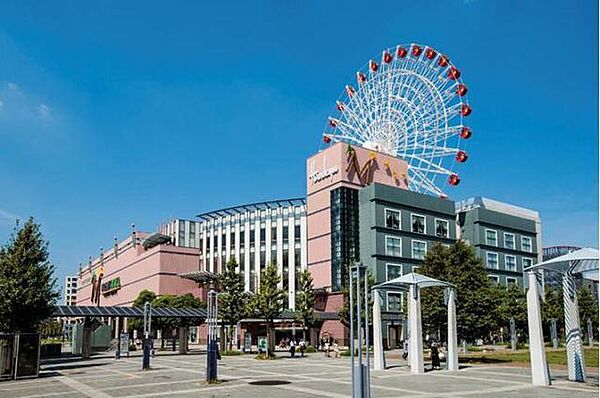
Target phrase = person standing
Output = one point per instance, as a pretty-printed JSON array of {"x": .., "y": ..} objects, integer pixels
[
  {"x": 292, "y": 348},
  {"x": 302, "y": 347},
  {"x": 435, "y": 356}
]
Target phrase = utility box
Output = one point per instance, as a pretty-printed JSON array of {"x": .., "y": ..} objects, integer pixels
[
  {"x": 27, "y": 355},
  {"x": 7, "y": 363}
]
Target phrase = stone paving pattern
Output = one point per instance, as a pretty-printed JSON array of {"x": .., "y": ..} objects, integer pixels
[{"x": 243, "y": 376}]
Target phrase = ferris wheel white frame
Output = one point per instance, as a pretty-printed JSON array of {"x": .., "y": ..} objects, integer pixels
[{"x": 412, "y": 104}]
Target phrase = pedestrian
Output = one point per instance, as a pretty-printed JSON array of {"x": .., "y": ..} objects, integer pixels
[
  {"x": 435, "y": 356},
  {"x": 292, "y": 348},
  {"x": 404, "y": 349},
  {"x": 336, "y": 349},
  {"x": 302, "y": 347}
]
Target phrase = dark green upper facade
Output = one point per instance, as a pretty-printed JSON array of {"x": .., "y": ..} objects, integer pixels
[
  {"x": 505, "y": 242},
  {"x": 397, "y": 227}
]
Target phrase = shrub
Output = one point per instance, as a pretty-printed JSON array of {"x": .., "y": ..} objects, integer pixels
[
  {"x": 227, "y": 353},
  {"x": 310, "y": 349}
]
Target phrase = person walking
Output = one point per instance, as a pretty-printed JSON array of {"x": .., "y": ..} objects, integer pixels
[
  {"x": 435, "y": 356},
  {"x": 292, "y": 348},
  {"x": 302, "y": 347}
]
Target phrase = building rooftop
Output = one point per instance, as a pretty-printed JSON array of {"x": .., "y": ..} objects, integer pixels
[
  {"x": 494, "y": 205},
  {"x": 252, "y": 206}
]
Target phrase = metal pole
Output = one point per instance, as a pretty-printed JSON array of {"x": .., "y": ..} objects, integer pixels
[
  {"x": 358, "y": 320},
  {"x": 352, "y": 332},
  {"x": 368, "y": 371}
]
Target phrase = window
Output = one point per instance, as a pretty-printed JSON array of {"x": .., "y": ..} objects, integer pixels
[
  {"x": 510, "y": 262},
  {"x": 494, "y": 278},
  {"x": 392, "y": 271},
  {"x": 393, "y": 246},
  {"x": 527, "y": 262},
  {"x": 526, "y": 244},
  {"x": 441, "y": 228},
  {"x": 511, "y": 281},
  {"x": 394, "y": 302},
  {"x": 418, "y": 223},
  {"x": 491, "y": 237},
  {"x": 297, "y": 233},
  {"x": 392, "y": 219},
  {"x": 419, "y": 249},
  {"x": 491, "y": 260},
  {"x": 509, "y": 241}
]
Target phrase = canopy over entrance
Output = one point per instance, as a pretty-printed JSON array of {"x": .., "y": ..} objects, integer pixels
[
  {"x": 583, "y": 261},
  {"x": 413, "y": 279}
]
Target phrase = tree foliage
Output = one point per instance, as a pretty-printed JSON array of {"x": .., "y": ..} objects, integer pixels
[
  {"x": 512, "y": 303},
  {"x": 27, "y": 286},
  {"x": 344, "y": 311},
  {"x": 305, "y": 301},
  {"x": 588, "y": 309},
  {"x": 475, "y": 295},
  {"x": 232, "y": 298},
  {"x": 268, "y": 302}
]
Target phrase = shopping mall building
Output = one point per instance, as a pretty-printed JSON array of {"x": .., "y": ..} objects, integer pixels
[{"x": 358, "y": 208}]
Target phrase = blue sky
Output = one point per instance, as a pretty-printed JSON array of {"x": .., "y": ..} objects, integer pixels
[{"x": 114, "y": 113}]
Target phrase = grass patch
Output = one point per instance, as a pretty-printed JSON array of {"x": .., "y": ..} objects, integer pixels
[
  {"x": 310, "y": 349},
  {"x": 553, "y": 357}
]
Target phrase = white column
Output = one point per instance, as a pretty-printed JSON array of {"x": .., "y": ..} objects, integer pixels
[
  {"x": 247, "y": 252},
  {"x": 291, "y": 261},
  {"x": 378, "y": 360},
  {"x": 228, "y": 253},
  {"x": 415, "y": 345},
  {"x": 537, "y": 354},
  {"x": 452, "y": 359},
  {"x": 237, "y": 240},
  {"x": 303, "y": 240},
  {"x": 268, "y": 226},
  {"x": 203, "y": 248},
  {"x": 219, "y": 267},
  {"x": 211, "y": 233},
  {"x": 575, "y": 361},
  {"x": 280, "y": 247},
  {"x": 257, "y": 249}
]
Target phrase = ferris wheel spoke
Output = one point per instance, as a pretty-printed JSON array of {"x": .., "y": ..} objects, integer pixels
[
  {"x": 425, "y": 183},
  {"x": 432, "y": 167}
]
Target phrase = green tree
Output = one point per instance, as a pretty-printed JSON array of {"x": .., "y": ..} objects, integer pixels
[
  {"x": 305, "y": 302},
  {"x": 512, "y": 303},
  {"x": 475, "y": 298},
  {"x": 268, "y": 302},
  {"x": 28, "y": 292},
  {"x": 232, "y": 298},
  {"x": 552, "y": 308},
  {"x": 344, "y": 311},
  {"x": 161, "y": 323},
  {"x": 588, "y": 309},
  {"x": 144, "y": 296}
]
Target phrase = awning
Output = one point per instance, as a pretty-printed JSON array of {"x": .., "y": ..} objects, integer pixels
[
  {"x": 405, "y": 281},
  {"x": 129, "y": 312},
  {"x": 583, "y": 261}
]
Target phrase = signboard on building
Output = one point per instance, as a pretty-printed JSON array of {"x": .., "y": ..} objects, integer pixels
[
  {"x": 263, "y": 345},
  {"x": 111, "y": 286}
]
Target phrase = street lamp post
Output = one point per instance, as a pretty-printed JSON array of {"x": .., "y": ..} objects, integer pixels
[
  {"x": 146, "y": 343},
  {"x": 360, "y": 373},
  {"x": 211, "y": 341}
]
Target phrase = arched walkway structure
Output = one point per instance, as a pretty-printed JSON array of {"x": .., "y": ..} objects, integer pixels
[
  {"x": 584, "y": 262},
  {"x": 413, "y": 283}
]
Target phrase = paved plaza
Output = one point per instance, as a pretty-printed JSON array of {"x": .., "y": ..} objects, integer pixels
[{"x": 243, "y": 376}]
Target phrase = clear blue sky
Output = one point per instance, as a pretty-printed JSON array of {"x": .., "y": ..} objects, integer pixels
[{"x": 112, "y": 114}]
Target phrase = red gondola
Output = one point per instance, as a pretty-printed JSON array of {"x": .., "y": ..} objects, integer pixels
[
  {"x": 326, "y": 139},
  {"x": 387, "y": 57},
  {"x": 454, "y": 180},
  {"x": 340, "y": 106},
  {"x": 373, "y": 66},
  {"x": 453, "y": 73},
  {"x": 350, "y": 90},
  {"x": 461, "y": 156},
  {"x": 443, "y": 60},
  {"x": 416, "y": 51},
  {"x": 401, "y": 52},
  {"x": 462, "y": 90},
  {"x": 360, "y": 77},
  {"x": 333, "y": 122},
  {"x": 465, "y": 133},
  {"x": 465, "y": 110},
  {"x": 430, "y": 53}
]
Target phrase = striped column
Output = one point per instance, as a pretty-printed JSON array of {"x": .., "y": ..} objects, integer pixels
[{"x": 575, "y": 360}]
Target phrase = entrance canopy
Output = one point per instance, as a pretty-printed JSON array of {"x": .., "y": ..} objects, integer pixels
[
  {"x": 70, "y": 311},
  {"x": 413, "y": 279},
  {"x": 583, "y": 261}
]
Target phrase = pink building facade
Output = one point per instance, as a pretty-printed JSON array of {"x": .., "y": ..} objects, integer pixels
[
  {"x": 129, "y": 268},
  {"x": 328, "y": 173}
]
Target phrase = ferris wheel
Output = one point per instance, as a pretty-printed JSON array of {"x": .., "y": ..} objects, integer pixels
[{"x": 411, "y": 104}]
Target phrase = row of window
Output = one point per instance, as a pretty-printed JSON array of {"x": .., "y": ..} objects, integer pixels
[
  {"x": 393, "y": 247},
  {"x": 510, "y": 261},
  {"x": 252, "y": 216},
  {"x": 509, "y": 280},
  {"x": 418, "y": 223},
  {"x": 491, "y": 239}
]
